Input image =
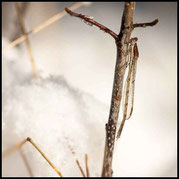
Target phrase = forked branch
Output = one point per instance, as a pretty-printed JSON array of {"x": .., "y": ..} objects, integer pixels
[{"x": 122, "y": 42}]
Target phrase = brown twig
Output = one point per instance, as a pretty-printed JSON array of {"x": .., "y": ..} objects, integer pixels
[
  {"x": 27, "y": 42},
  {"x": 26, "y": 162},
  {"x": 87, "y": 165},
  {"x": 146, "y": 24},
  {"x": 43, "y": 25},
  {"x": 92, "y": 22},
  {"x": 80, "y": 168},
  {"x": 28, "y": 139}
]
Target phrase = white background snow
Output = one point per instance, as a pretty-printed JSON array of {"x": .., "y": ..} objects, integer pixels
[{"x": 68, "y": 106}]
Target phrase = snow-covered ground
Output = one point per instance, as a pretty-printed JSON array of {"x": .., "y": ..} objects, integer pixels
[{"x": 68, "y": 106}]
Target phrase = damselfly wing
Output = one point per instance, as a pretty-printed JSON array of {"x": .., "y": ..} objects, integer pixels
[{"x": 130, "y": 85}]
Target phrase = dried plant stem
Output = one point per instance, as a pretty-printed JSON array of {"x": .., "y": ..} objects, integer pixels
[
  {"x": 87, "y": 165},
  {"x": 27, "y": 42},
  {"x": 80, "y": 168},
  {"x": 26, "y": 162},
  {"x": 28, "y": 139},
  {"x": 42, "y": 25}
]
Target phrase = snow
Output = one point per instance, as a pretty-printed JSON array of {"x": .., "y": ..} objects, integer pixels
[
  {"x": 55, "y": 115},
  {"x": 68, "y": 106}
]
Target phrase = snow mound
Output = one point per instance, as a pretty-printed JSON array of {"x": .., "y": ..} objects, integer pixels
[{"x": 58, "y": 118}]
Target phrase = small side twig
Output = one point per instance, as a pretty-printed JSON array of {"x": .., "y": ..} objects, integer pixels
[
  {"x": 93, "y": 22},
  {"x": 146, "y": 24}
]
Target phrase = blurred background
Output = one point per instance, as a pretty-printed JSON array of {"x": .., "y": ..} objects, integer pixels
[{"x": 67, "y": 106}]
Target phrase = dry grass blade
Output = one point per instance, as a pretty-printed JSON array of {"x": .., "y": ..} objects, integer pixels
[
  {"x": 26, "y": 162},
  {"x": 78, "y": 163},
  {"x": 43, "y": 25},
  {"x": 80, "y": 168},
  {"x": 27, "y": 42},
  {"x": 19, "y": 145},
  {"x": 87, "y": 165},
  {"x": 43, "y": 155}
]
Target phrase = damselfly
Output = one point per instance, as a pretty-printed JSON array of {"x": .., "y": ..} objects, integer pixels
[{"x": 130, "y": 84}]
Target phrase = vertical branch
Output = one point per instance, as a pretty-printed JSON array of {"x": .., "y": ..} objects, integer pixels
[
  {"x": 27, "y": 42},
  {"x": 122, "y": 51},
  {"x": 122, "y": 41}
]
